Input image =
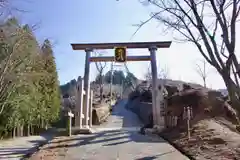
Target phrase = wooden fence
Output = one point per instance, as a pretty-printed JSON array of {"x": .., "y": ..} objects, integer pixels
[{"x": 172, "y": 121}]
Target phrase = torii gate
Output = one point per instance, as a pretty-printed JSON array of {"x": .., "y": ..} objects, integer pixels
[{"x": 152, "y": 47}]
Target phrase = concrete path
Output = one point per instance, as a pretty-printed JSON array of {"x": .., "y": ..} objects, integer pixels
[
  {"x": 15, "y": 149},
  {"x": 119, "y": 139}
]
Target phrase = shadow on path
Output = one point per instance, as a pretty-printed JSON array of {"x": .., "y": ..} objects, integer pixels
[
  {"x": 117, "y": 139},
  {"x": 154, "y": 157},
  {"x": 122, "y": 127},
  {"x": 106, "y": 138},
  {"x": 23, "y": 147}
]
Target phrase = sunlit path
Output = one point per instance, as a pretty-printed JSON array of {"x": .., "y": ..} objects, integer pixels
[{"x": 119, "y": 139}]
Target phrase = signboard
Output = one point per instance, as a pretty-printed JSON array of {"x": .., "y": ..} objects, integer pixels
[
  {"x": 70, "y": 114},
  {"x": 120, "y": 54}
]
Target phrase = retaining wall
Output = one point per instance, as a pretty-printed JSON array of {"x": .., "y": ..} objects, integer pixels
[{"x": 142, "y": 109}]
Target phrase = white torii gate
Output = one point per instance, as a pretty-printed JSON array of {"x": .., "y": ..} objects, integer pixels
[{"x": 152, "y": 47}]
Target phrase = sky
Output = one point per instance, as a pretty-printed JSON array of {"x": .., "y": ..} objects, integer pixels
[{"x": 88, "y": 21}]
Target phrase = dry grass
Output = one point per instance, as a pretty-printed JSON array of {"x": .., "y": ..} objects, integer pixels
[
  {"x": 213, "y": 139},
  {"x": 54, "y": 150}
]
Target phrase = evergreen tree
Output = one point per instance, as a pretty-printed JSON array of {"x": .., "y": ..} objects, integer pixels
[
  {"x": 17, "y": 54},
  {"x": 51, "y": 84},
  {"x": 29, "y": 91}
]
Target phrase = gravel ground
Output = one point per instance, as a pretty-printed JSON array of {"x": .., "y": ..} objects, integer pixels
[{"x": 118, "y": 139}]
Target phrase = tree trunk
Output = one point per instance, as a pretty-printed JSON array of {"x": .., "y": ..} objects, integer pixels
[
  {"x": 233, "y": 92},
  {"x": 20, "y": 131},
  {"x": 101, "y": 87},
  {"x": 42, "y": 123},
  {"x": 101, "y": 93},
  {"x": 46, "y": 127},
  {"x": 31, "y": 130},
  {"x": 14, "y": 132},
  {"x": 28, "y": 130},
  {"x": 204, "y": 82}
]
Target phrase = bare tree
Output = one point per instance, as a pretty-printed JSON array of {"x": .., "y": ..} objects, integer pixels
[
  {"x": 202, "y": 71},
  {"x": 100, "y": 68},
  {"x": 234, "y": 72},
  {"x": 8, "y": 7},
  {"x": 148, "y": 74},
  {"x": 2, "y": 6},
  {"x": 211, "y": 26},
  {"x": 162, "y": 73}
]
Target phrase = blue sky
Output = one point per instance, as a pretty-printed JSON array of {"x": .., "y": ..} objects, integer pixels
[{"x": 79, "y": 21}]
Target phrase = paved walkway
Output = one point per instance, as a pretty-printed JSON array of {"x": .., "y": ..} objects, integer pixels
[
  {"x": 119, "y": 139},
  {"x": 15, "y": 149}
]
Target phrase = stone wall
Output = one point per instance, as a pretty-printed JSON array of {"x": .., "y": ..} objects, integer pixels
[
  {"x": 142, "y": 109},
  {"x": 100, "y": 114}
]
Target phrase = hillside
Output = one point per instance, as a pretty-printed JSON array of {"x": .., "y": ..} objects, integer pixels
[
  {"x": 214, "y": 123},
  {"x": 118, "y": 81},
  {"x": 117, "y": 88},
  {"x": 68, "y": 88},
  {"x": 223, "y": 91}
]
